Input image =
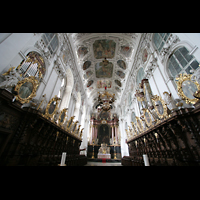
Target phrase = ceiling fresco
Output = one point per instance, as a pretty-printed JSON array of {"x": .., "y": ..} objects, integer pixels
[
  {"x": 91, "y": 49},
  {"x": 104, "y": 49},
  {"x": 121, "y": 64},
  {"x": 120, "y": 74},
  {"x": 104, "y": 70},
  {"x": 88, "y": 74},
  {"x": 104, "y": 83},
  {"x": 82, "y": 51},
  {"x": 126, "y": 50}
]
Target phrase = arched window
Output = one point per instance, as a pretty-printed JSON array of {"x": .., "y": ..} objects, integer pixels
[
  {"x": 140, "y": 75},
  {"x": 32, "y": 65},
  {"x": 181, "y": 62},
  {"x": 51, "y": 40},
  {"x": 159, "y": 40}
]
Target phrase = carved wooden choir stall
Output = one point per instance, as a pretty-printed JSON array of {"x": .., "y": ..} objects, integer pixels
[
  {"x": 30, "y": 138},
  {"x": 166, "y": 132}
]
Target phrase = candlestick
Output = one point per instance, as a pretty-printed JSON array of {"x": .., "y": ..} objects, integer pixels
[
  {"x": 63, "y": 159},
  {"x": 146, "y": 160}
]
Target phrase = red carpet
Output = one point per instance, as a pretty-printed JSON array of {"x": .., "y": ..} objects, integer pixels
[{"x": 103, "y": 160}]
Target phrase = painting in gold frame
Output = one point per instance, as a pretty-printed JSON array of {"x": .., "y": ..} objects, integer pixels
[
  {"x": 26, "y": 89},
  {"x": 147, "y": 117},
  {"x": 160, "y": 106},
  {"x": 62, "y": 117},
  {"x": 186, "y": 88},
  {"x": 139, "y": 124},
  {"x": 52, "y": 107},
  {"x": 134, "y": 128}
]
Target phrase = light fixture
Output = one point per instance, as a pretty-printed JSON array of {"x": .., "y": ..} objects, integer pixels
[{"x": 105, "y": 100}]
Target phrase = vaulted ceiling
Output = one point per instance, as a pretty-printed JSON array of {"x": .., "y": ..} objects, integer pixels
[{"x": 91, "y": 49}]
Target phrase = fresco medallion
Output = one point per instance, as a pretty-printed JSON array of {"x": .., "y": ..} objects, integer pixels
[
  {"x": 104, "y": 70},
  {"x": 104, "y": 49}
]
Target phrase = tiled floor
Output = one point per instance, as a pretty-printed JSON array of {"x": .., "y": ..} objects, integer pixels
[{"x": 102, "y": 164}]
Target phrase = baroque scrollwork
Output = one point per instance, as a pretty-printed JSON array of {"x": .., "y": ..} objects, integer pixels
[
  {"x": 26, "y": 89},
  {"x": 186, "y": 88},
  {"x": 52, "y": 107}
]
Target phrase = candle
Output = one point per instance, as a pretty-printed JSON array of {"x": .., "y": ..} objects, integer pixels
[
  {"x": 146, "y": 160},
  {"x": 63, "y": 159}
]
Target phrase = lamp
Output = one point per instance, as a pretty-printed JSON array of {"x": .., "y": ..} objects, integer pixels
[{"x": 105, "y": 100}]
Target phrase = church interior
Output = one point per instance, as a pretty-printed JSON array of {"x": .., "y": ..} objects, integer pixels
[{"x": 128, "y": 99}]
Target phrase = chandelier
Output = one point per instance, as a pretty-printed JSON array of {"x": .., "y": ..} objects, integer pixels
[{"x": 105, "y": 100}]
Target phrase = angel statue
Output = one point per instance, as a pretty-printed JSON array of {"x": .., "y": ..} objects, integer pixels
[
  {"x": 171, "y": 104},
  {"x": 11, "y": 78}
]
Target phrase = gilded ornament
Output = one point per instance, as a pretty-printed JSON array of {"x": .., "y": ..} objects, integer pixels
[
  {"x": 147, "y": 117},
  {"x": 52, "y": 107},
  {"x": 160, "y": 106},
  {"x": 186, "y": 88},
  {"x": 62, "y": 117},
  {"x": 139, "y": 124},
  {"x": 26, "y": 89}
]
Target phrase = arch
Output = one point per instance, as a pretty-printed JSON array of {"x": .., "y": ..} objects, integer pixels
[
  {"x": 69, "y": 83},
  {"x": 189, "y": 59},
  {"x": 77, "y": 106}
]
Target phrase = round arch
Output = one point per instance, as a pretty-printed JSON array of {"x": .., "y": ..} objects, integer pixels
[
  {"x": 77, "y": 106},
  {"x": 69, "y": 83}
]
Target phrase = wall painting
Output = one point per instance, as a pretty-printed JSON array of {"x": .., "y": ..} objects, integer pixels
[
  {"x": 86, "y": 65},
  {"x": 126, "y": 50},
  {"x": 120, "y": 74},
  {"x": 90, "y": 83},
  {"x": 82, "y": 51},
  {"x": 118, "y": 83},
  {"x": 144, "y": 55},
  {"x": 88, "y": 74},
  {"x": 121, "y": 64}
]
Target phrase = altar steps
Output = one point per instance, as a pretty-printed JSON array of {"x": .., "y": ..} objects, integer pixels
[{"x": 104, "y": 160}]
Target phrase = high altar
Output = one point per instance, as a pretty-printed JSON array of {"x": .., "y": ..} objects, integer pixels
[
  {"x": 104, "y": 129},
  {"x": 104, "y": 151}
]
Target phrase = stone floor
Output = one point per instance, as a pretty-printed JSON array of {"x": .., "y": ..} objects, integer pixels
[{"x": 103, "y": 164}]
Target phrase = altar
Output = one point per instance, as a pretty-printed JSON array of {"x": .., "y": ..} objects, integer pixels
[
  {"x": 104, "y": 152},
  {"x": 107, "y": 156}
]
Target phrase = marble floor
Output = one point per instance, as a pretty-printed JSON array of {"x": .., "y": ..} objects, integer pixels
[{"x": 103, "y": 164}]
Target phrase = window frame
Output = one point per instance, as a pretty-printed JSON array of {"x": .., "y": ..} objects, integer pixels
[
  {"x": 159, "y": 49},
  {"x": 183, "y": 69},
  {"x": 48, "y": 42}
]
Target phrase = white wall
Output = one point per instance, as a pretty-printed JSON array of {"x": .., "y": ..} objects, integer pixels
[
  {"x": 11, "y": 46},
  {"x": 13, "y": 49}
]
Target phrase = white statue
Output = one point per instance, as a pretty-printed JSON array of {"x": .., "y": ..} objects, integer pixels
[
  {"x": 171, "y": 104},
  {"x": 43, "y": 103},
  {"x": 11, "y": 78},
  {"x": 36, "y": 104}
]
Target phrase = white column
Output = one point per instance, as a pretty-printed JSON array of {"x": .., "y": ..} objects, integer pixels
[{"x": 124, "y": 146}]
